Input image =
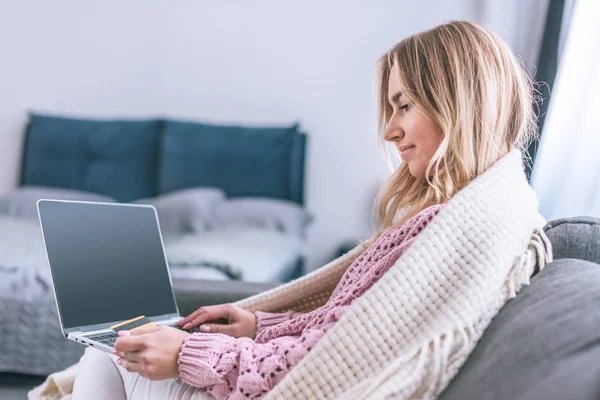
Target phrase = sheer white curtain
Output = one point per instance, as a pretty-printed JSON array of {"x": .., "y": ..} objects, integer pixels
[
  {"x": 566, "y": 173},
  {"x": 518, "y": 22}
]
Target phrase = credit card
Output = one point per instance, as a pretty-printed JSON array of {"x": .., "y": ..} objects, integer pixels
[{"x": 134, "y": 323}]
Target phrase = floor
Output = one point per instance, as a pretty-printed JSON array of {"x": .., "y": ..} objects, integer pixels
[
  {"x": 13, "y": 393},
  {"x": 16, "y": 386}
]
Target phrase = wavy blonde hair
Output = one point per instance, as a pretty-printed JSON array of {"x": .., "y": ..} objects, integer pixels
[{"x": 469, "y": 82}]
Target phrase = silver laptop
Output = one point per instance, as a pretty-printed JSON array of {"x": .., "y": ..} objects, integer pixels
[{"x": 108, "y": 265}]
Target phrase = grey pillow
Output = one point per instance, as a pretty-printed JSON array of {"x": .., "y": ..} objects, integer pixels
[
  {"x": 544, "y": 344},
  {"x": 22, "y": 202},
  {"x": 185, "y": 211},
  {"x": 280, "y": 215}
]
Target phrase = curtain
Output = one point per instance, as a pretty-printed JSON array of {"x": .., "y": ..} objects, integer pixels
[
  {"x": 557, "y": 22},
  {"x": 520, "y": 23},
  {"x": 566, "y": 175}
]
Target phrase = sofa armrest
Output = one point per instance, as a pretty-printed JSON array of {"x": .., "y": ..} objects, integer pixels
[{"x": 191, "y": 295}]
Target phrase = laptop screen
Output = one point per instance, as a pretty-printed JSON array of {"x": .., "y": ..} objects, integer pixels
[{"x": 107, "y": 262}]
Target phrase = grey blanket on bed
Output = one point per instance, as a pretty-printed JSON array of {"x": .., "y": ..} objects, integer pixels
[{"x": 32, "y": 341}]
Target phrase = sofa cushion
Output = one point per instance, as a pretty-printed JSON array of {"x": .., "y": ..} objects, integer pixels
[
  {"x": 577, "y": 237},
  {"x": 117, "y": 159},
  {"x": 544, "y": 344}
]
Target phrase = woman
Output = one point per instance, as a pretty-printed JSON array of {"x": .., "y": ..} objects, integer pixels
[{"x": 453, "y": 102}]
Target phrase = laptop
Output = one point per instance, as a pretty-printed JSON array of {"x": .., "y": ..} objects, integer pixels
[{"x": 108, "y": 265}]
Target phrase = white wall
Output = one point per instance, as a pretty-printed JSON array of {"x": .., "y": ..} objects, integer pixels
[{"x": 263, "y": 62}]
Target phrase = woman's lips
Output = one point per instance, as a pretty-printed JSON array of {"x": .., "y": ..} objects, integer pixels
[{"x": 405, "y": 151}]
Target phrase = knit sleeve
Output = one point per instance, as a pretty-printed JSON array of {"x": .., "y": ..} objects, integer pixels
[
  {"x": 266, "y": 320},
  {"x": 240, "y": 368}
]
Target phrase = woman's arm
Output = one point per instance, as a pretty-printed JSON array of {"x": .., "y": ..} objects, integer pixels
[
  {"x": 235, "y": 321},
  {"x": 224, "y": 364},
  {"x": 266, "y": 320}
]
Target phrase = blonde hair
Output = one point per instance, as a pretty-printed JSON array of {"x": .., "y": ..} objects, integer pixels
[{"x": 469, "y": 82}]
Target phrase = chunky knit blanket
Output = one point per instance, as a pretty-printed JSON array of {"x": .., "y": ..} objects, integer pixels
[{"x": 409, "y": 334}]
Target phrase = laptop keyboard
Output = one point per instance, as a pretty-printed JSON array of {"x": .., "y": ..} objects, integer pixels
[{"x": 109, "y": 338}]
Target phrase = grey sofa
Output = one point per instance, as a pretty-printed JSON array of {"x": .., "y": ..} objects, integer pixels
[{"x": 543, "y": 345}]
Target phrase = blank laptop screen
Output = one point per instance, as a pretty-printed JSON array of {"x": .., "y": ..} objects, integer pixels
[{"x": 107, "y": 262}]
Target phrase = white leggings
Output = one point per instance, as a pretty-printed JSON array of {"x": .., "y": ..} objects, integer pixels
[{"x": 100, "y": 377}]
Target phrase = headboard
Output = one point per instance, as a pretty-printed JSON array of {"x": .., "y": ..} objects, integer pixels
[{"x": 132, "y": 159}]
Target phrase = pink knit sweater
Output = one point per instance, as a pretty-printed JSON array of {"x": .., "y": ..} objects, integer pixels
[{"x": 242, "y": 368}]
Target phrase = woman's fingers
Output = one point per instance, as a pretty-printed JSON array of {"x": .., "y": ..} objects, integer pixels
[
  {"x": 195, "y": 314},
  {"x": 132, "y": 356},
  {"x": 130, "y": 343},
  {"x": 200, "y": 320},
  {"x": 129, "y": 365},
  {"x": 204, "y": 314},
  {"x": 234, "y": 330},
  {"x": 190, "y": 317},
  {"x": 144, "y": 331}
]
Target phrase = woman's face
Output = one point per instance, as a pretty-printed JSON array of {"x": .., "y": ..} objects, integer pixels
[{"x": 413, "y": 133}]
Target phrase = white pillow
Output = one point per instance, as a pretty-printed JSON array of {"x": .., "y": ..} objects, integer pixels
[
  {"x": 258, "y": 212},
  {"x": 185, "y": 211},
  {"x": 22, "y": 202}
]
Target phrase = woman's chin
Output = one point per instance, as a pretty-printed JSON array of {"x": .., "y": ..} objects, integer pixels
[{"x": 418, "y": 173}]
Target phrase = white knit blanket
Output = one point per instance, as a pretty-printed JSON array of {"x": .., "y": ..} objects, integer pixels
[{"x": 408, "y": 335}]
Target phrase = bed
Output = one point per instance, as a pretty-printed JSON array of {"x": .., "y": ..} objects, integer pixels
[{"x": 230, "y": 202}]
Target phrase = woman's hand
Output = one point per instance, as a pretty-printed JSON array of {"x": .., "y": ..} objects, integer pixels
[
  {"x": 237, "y": 322},
  {"x": 151, "y": 352}
]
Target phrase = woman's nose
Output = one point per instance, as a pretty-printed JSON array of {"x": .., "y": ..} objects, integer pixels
[{"x": 392, "y": 133}]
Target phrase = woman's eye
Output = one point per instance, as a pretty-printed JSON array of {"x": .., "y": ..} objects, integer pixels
[{"x": 404, "y": 107}]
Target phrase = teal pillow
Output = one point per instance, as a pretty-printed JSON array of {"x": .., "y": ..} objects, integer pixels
[
  {"x": 115, "y": 158},
  {"x": 242, "y": 161}
]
